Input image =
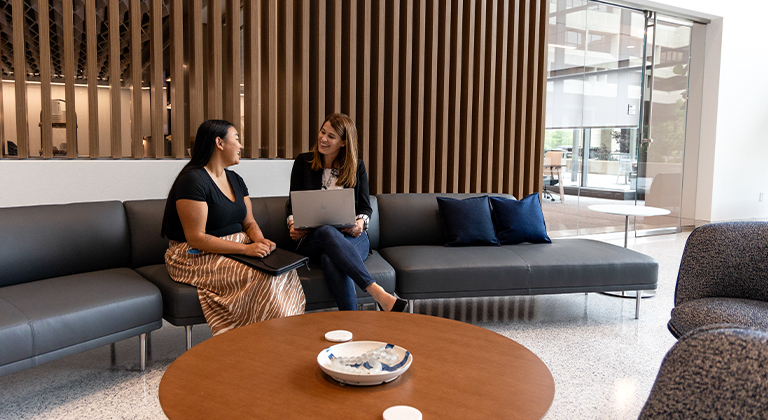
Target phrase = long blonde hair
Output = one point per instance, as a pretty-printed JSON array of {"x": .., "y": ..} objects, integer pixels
[{"x": 347, "y": 157}]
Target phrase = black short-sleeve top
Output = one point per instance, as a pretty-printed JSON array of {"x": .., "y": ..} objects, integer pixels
[{"x": 225, "y": 217}]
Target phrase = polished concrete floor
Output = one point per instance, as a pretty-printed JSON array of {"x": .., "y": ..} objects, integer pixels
[{"x": 603, "y": 360}]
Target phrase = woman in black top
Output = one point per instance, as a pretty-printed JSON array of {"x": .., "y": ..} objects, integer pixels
[
  {"x": 331, "y": 164},
  {"x": 208, "y": 213}
]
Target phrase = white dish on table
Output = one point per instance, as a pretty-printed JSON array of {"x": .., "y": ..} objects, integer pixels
[{"x": 364, "y": 376}]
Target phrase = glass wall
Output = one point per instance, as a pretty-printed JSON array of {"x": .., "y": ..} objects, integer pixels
[{"x": 616, "y": 129}]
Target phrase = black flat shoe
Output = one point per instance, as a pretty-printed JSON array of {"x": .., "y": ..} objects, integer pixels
[{"x": 401, "y": 305}]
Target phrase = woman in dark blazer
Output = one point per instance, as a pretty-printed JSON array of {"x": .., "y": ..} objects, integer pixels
[{"x": 332, "y": 164}]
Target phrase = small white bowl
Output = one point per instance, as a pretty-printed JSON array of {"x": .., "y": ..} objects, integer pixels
[{"x": 363, "y": 378}]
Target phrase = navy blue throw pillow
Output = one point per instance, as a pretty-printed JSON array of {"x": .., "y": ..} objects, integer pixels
[
  {"x": 520, "y": 220},
  {"x": 467, "y": 222}
]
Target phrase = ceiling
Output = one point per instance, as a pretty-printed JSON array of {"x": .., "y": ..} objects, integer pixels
[{"x": 32, "y": 40}]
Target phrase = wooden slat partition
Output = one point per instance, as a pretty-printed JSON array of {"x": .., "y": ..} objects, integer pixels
[
  {"x": 69, "y": 78},
  {"x": 115, "y": 129},
  {"x": 137, "y": 139},
  {"x": 157, "y": 96},
  {"x": 178, "y": 124},
  {"x": 46, "y": 129},
  {"x": 448, "y": 95},
  {"x": 20, "y": 77},
  {"x": 196, "y": 67},
  {"x": 93, "y": 80}
]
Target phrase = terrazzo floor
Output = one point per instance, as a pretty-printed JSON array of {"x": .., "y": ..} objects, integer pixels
[{"x": 604, "y": 362}]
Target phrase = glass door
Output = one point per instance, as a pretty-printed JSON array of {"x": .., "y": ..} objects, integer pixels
[{"x": 616, "y": 105}]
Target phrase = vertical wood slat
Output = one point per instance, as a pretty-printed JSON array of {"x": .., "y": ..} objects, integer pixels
[
  {"x": 69, "y": 78},
  {"x": 541, "y": 81},
  {"x": 351, "y": 77},
  {"x": 3, "y": 145},
  {"x": 252, "y": 76},
  {"x": 273, "y": 79},
  {"x": 441, "y": 185},
  {"x": 417, "y": 145},
  {"x": 367, "y": 99},
  {"x": 290, "y": 117},
  {"x": 176, "y": 52},
  {"x": 92, "y": 72},
  {"x": 115, "y": 129},
  {"x": 46, "y": 129},
  {"x": 320, "y": 65},
  {"x": 430, "y": 167},
  {"x": 157, "y": 97},
  {"x": 196, "y": 67},
  {"x": 478, "y": 140},
  {"x": 378, "y": 161},
  {"x": 391, "y": 172},
  {"x": 336, "y": 87},
  {"x": 305, "y": 47},
  {"x": 523, "y": 102},
  {"x": 234, "y": 77},
  {"x": 134, "y": 24},
  {"x": 513, "y": 178},
  {"x": 501, "y": 145},
  {"x": 491, "y": 149},
  {"x": 20, "y": 77},
  {"x": 215, "y": 59},
  {"x": 467, "y": 140},
  {"x": 406, "y": 103},
  {"x": 455, "y": 146}
]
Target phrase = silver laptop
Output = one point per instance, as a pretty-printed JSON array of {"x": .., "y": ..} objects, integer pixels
[{"x": 323, "y": 207}]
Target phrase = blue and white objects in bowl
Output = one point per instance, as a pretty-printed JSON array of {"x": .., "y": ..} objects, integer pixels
[{"x": 364, "y": 363}]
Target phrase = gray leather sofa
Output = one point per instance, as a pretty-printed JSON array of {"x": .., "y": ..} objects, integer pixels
[
  {"x": 413, "y": 239},
  {"x": 66, "y": 283}
]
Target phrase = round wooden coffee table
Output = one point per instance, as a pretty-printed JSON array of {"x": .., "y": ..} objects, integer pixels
[{"x": 269, "y": 370}]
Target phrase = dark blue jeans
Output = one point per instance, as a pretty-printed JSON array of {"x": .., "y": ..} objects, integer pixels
[{"x": 341, "y": 257}]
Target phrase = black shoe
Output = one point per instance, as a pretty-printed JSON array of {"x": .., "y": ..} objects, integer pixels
[{"x": 401, "y": 305}]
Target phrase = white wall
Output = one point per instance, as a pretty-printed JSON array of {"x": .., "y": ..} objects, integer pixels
[{"x": 31, "y": 182}]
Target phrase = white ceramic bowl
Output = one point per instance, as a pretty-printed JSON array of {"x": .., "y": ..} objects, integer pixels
[{"x": 363, "y": 378}]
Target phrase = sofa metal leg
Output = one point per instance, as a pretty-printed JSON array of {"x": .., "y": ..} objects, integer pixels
[
  {"x": 410, "y": 305},
  {"x": 188, "y": 329},
  {"x": 637, "y": 303},
  {"x": 143, "y": 349}
]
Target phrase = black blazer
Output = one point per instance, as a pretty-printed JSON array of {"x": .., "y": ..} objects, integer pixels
[{"x": 304, "y": 178}]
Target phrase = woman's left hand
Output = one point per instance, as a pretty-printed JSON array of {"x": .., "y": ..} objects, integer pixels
[{"x": 355, "y": 230}]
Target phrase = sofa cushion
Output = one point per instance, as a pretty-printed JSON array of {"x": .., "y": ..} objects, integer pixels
[
  {"x": 519, "y": 221},
  {"x": 435, "y": 271},
  {"x": 692, "y": 314},
  {"x": 41, "y": 242},
  {"x": 467, "y": 222},
  {"x": 15, "y": 335},
  {"x": 145, "y": 219},
  {"x": 569, "y": 265},
  {"x": 181, "y": 305},
  {"x": 66, "y": 311}
]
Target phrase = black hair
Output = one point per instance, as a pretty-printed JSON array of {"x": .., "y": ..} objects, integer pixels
[{"x": 205, "y": 143}]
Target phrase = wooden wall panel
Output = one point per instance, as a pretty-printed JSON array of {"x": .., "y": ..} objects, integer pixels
[
  {"x": 20, "y": 76},
  {"x": 448, "y": 95},
  {"x": 46, "y": 129},
  {"x": 69, "y": 78},
  {"x": 115, "y": 123},
  {"x": 137, "y": 117},
  {"x": 157, "y": 96}
]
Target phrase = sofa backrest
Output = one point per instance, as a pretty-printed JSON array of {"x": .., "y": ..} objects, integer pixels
[
  {"x": 145, "y": 219},
  {"x": 40, "y": 242},
  {"x": 413, "y": 219}
]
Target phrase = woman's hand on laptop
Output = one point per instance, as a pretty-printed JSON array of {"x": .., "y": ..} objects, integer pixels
[
  {"x": 355, "y": 230},
  {"x": 261, "y": 248},
  {"x": 297, "y": 234}
]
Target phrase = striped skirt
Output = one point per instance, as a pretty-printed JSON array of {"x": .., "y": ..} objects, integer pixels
[{"x": 233, "y": 294}]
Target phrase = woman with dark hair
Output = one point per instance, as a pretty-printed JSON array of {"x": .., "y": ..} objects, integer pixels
[
  {"x": 208, "y": 213},
  {"x": 332, "y": 164}
]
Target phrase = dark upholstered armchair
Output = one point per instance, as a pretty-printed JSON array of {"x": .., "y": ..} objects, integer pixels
[
  {"x": 723, "y": 278},
  {"x": 714, "y": 372}
]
